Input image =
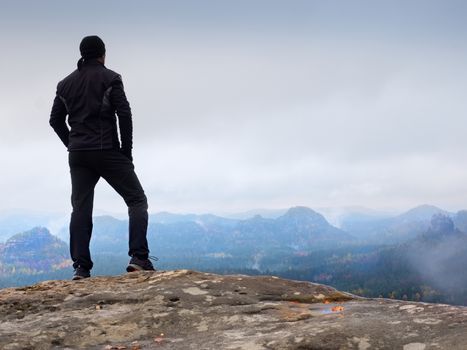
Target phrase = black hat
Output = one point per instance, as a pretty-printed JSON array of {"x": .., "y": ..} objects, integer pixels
[{"x": 92, "y": 47}]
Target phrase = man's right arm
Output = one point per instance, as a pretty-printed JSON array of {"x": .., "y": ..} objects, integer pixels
[
  {"x": 58, "y": 119},
  {"x": 125, "y": 123}
]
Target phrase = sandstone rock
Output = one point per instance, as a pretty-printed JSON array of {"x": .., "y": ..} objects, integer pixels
[{"x": 185, "y": 309}]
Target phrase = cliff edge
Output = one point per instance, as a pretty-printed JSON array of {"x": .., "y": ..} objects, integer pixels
[{"x": 185, "y": 309}]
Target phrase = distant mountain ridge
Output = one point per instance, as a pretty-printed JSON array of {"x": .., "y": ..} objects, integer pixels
[
  {"x": 180, "y": 238},
  {"x": 34, "y": 251},
  {"x": 394, "y": 229},
  {"x": 300, "y": 243},
  {"x": 17, "y": 220},
  {"x": 422, "y": 213},
  {"x": 299, "y": 228},
  {"x": 111, "y": 234}
]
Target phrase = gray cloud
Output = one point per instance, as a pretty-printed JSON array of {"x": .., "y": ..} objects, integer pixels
[{"x": 250, "y": 106}]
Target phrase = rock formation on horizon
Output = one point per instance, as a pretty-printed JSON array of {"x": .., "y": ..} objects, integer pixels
[{"x": 185, "y": 309}]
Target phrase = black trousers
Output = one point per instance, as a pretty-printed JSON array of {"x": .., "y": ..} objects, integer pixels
[{"x": 86, "y": 168}]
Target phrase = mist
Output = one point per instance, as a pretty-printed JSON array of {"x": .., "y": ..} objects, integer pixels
[{"x": 249, "y": 105}]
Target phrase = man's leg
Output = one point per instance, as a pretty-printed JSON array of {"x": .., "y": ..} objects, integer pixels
[
  {"x": 83, "y": 182},
  {"x": 119, "y": 172}
]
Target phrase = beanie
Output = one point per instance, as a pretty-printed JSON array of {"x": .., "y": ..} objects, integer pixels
[{"x": 91, "y": 47}]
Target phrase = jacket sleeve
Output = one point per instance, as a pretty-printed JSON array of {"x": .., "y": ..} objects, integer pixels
[
  {"x": 119, "y": 101},
  {"x": 58, "y": 119}
]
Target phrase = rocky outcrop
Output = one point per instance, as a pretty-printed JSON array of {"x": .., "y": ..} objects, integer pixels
[
  {"x": 185, "y": 309},
  {"x": 40, "y": 252}
]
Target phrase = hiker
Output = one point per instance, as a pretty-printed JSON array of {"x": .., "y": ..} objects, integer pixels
[{"x": 90, "y": 96}]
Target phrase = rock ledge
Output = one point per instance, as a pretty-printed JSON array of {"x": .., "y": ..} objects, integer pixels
[{"x": 185, "y": 309}]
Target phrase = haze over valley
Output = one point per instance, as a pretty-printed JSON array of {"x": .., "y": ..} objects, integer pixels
[{"x": 415, "y": 255}]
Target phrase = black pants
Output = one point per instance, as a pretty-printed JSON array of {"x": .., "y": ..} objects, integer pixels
[{"x": 86, "y": 167}]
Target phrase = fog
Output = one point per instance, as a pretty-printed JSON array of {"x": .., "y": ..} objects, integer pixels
[{"x": 249, "y": 104}]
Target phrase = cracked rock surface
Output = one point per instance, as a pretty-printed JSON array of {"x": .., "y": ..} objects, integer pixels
[{"x": 185, "y": 309}]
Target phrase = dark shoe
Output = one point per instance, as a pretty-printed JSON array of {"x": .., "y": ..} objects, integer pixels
[
  {"x": 137, "y": 264},
  {"x": 80, "y": 273}
]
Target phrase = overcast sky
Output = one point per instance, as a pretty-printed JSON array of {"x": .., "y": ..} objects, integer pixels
[{"x": 249, "y": 104}]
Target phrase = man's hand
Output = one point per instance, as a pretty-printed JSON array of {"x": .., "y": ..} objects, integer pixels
[{"x": 127, "y": 153}]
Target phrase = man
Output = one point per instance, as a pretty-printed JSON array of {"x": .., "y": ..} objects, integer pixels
[{"x": 90, "y": 96}]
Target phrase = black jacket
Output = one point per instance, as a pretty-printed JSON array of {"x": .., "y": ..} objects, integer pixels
[{"x": 90, "y": 96}]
